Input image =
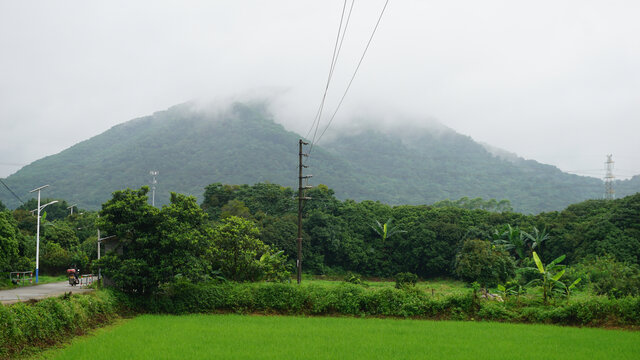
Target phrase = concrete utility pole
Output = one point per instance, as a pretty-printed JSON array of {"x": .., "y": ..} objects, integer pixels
[
  {"x": 609, "y": 193},
  {"x": 301, "y": 199},
  {"x": 38, "y": 227},
  {"x": 99, "y": 241},
  {"x": 153, "y": 173}
]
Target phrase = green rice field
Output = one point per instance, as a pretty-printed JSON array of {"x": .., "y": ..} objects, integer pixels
[{"x": 285, "y": 337}]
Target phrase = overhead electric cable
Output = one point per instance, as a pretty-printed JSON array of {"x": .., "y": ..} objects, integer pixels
[
  {"x": 11, "y": 191},
  {"x": 352, "y": 77},
  {"x": 334, "y": 58},
  {"x": 335, "y": 61}
]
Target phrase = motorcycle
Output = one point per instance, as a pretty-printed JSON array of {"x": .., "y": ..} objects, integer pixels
[{"x": 73, "y": 280}]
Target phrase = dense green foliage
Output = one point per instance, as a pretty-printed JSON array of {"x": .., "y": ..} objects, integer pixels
[
  {"x": 65, "y": 240},
  {"x": 261, "y": 199},
  {"x": 607, "y": 276},
  {"x": 54, "y": 211},
  {"x": 405, "y": 279},
  {"x": 240, "y": 256},
  {"x": 340, "y": 236},
  {"x": 15, "y": 248},
  {"x": 477, "y": 204},
  {"x": 8, "y": 241},
  {"x": 53, "y": 319},
  {"x": 479, "y": 260},
  {"x": 352, "y": 299},
  {"x": 154, "y": 246},
  {"x": 192, "y": 148}
]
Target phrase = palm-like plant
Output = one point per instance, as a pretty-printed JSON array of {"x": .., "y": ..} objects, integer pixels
[
  {"x": 511, "y": 288},
  {"x": 536, "y": 237},
  {"x": 551, "y": 275},
  {"x": 511, "y": 239},
  {"x": 386, "y": 230},
  {"x": 567, "y": 289}
]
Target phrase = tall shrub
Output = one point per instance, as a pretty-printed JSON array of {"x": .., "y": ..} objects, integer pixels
[{"x": 480, "y": 261}]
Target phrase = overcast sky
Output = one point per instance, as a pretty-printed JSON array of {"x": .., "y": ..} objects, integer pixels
[{"x": 555, "y": 81}]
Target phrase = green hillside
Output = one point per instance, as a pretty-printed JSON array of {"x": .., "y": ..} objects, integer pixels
[{"x": 192, "y": 148}]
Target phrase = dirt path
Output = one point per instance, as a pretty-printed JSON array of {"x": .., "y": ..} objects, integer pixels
[{"x": 39, "y": 292}]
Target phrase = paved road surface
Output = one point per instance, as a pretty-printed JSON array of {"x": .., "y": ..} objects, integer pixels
[{"x": 39, "y": 292}]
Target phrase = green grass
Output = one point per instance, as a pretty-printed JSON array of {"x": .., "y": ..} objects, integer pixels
[
  {"x": 437, "y": 286},
  {"x": 42, "y": 279},
  {"x": 282, "y": 337}
]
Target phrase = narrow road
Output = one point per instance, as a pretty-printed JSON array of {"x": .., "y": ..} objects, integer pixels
[{"x": 39, "y": 292}]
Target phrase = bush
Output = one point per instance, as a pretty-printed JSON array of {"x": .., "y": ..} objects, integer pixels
[
  {"x": 527, "y": 272},
  {"x": 241, "y": 256},
  {"x": 54, "y": 258},
  {"x": 491, "y": 310},
  {"x": 53, "y": 319},
  {"x": 480, "y": 261},
  {"x": 280, "y": 298},
  {"x": 353, "y": 278},
  {"x": 406, "y": 279},
  {"x": 612, "y": 278},
  {"x": 154, "y": 246},
  {"x": 350, "y": 299}
]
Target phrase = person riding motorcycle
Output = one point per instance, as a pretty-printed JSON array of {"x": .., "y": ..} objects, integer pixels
[{"x": 73, "y": 274}]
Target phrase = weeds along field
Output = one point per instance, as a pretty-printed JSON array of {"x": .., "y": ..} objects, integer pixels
[
  {"x": 435, "y": 286},
  {"x": 287, "y": 337}
]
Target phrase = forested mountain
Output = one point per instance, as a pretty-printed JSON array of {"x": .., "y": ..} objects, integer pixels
[{"x": 192, "y": 148}]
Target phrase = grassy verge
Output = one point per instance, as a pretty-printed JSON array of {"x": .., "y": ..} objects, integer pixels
[
  {"x": 42, "y": 279},
  {"x": 33, "y": 325},
  {"x": 434, "y": 287},
  {"x": 283, "y": 337},
  {"x": 349, "y": 299}
]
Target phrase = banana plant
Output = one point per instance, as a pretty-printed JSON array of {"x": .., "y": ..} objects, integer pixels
[
  {"x": 536, "y": 238},
  {"x": 551, "y": 275},
  {"x": 511, "y": 288},
  {"x": 386, "y": 230},
  {"x": 511, "y": 239},
  {"x": 567, "y": 289}
]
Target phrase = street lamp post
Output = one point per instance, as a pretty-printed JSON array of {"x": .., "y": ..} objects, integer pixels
[
  {"x": 70, "y": 208},
  {"x": 38, "y": 227}
]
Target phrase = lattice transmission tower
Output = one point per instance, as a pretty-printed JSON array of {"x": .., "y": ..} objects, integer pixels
[{"x": 609, "y": 193}]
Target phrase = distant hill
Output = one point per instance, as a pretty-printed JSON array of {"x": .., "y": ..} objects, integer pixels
[{"x": 192, "y": 148}]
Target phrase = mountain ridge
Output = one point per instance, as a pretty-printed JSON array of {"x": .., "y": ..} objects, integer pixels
[{"x": 192, "y": 148}]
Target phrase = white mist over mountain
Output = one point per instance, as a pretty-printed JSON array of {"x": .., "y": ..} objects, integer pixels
[{"x": 553, "y": 81}]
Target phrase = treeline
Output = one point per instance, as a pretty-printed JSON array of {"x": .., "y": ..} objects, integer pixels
[
  {"x": 65, "y": 239},
  {"x": 340, "y": 236}
]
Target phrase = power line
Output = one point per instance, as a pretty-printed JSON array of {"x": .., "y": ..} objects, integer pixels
[
  {"x": 331, "y": 67},
  {"x": 352, "y": 77},
  {"x": 11, "y": 191},
  {"x": 334, "y": 59}
]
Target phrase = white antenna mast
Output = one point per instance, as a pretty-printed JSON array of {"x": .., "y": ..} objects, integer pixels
[{"x": 153, "y": 173}]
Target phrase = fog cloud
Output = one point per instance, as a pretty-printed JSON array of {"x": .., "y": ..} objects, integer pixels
[{"x": 557, "y": 82}]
